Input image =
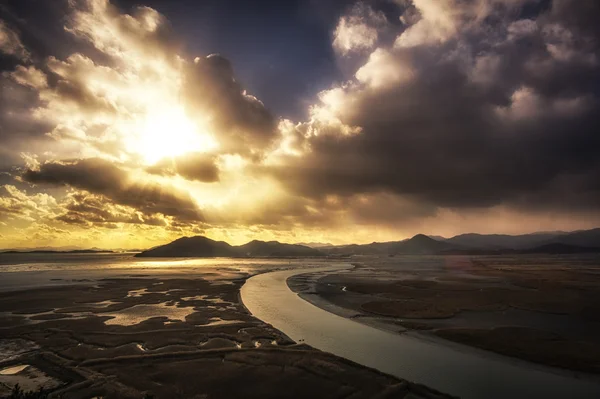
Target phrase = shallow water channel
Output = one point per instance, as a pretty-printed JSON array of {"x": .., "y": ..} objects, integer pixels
[{"x": 449, "y": 368}]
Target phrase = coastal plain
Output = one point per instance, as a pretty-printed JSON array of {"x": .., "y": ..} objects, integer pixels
[{"x": 162, "y": 330}]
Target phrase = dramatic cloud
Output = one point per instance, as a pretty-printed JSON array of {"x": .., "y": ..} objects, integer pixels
[
  {"x": 102, "y": 177},
  {"x": 11, "y": 44},
  {"x": 15, "y": 203},
  {"x": 143, "y": 35},
  {"x": 451, "y": 116},
  {"x": 90, "y": 209},
  {"x": 19, "y": 129},
  {"x": 30, "y": 76},
  {"x": 359, "y": 29},
  {"x": 463, "y": 113},
  {"x": 211, "y": 90},
  {"x": 192, "y": 166}
]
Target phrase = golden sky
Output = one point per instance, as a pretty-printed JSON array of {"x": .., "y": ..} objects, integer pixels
[{"x": 129, "y": 141}]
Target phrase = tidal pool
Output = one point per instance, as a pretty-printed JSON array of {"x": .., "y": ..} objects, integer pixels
[
  {"x": 14, "y": 369},
  {"x": 139, "y": 313}
]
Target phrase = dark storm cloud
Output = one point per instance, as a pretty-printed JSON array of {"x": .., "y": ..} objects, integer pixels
[
  {"x": 192, "y": 166},
  {"x": 581, "y": 16},
  {"x": 34, "y": 79},
  {"x": 281, "y": 49},
  {"x": 475, "y": 110},
  {"x": 77, "y": 94},
  {"x": 11, "y": 46},
  {"x": 17, "y": 102},
  {"x": 497, "y": 113},
  {"x": 242, "y": 120},
  {"x": 102, "y": 177},
  {"x": 41, "y": 29},
  {"x": 90, "y": 209}
]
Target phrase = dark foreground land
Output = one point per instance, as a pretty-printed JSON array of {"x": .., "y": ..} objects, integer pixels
[
  {"x": 543, "y": 309},
  {"x": 147, "y": 336}
]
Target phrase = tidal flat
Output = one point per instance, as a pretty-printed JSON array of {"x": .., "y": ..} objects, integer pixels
[
  {"x": 170, "y": 329},
  {"x": 541, "y": 309}
]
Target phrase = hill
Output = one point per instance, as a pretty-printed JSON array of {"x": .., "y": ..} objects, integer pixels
[
  {"x": 419, "y": 244},
  {"x": 584, "y": 238},
  {"x": 197, "y": 247},
  {"x": 202, "y": 247},
  {"x": 480, "y": 244},
  {"x": 503, "y": 241}
]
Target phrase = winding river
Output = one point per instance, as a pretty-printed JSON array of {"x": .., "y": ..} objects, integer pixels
[{"x": 448, "y": 368}]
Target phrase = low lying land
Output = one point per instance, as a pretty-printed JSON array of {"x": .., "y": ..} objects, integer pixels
[
  {"x": 164, "y": 337},
  {"x": 540, "y": 309},
  {"x": 530, "y": 344}
]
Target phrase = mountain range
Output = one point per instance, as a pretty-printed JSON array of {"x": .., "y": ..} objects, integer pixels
[
  {"x": 583, "y": 238},
  {"x": 587, "y": 241},
  {"x": 418, "y": 245},
  {"x": 559, "y": 242}
]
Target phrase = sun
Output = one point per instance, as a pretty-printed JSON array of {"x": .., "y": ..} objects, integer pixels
[{"x": 168, "y": 132}]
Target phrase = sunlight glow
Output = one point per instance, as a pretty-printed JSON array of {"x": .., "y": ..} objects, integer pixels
[{"x": 168, "y": 132}]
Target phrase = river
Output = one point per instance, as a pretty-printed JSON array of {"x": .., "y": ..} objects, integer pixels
[{"x": 450, "y": 368}]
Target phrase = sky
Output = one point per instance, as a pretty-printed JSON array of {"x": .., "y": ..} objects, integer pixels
[{"x": 127, "y": 124}]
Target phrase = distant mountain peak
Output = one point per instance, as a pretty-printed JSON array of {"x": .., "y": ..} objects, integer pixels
[
  {"x": 421, "y": 238},
  {"x": 420, "y": 244}
]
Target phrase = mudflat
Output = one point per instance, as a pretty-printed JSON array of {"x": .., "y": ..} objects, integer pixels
[
  {"x": 170, "y": 336},
  {"x": 543, "y": 309}
]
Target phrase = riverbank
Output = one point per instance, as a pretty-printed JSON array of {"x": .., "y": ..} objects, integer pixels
[
  {"x": 540, "y": 314},
  {"x": 458, "y": 369}
]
